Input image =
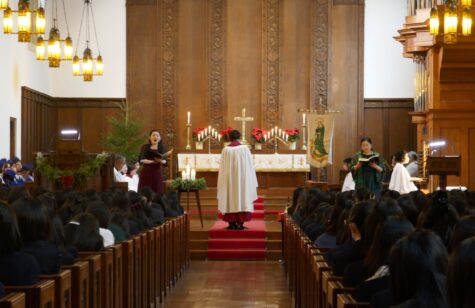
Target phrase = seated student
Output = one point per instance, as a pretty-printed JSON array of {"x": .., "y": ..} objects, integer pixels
[
  {"x": 16, "y": 268},
  {"x": 133, "y": 176},
  {"x": 9, "y": 178},
  {"x": 26, "y": 173},
  {"x": 317, "y": 221},
  {"x": 119, "y": 225},
  {"x": 463, "y": 229},
  {"x": 120, "y": 169},
  {"x": 348, "y": 183},
  {"x": 83, "y": 233},
  {"x": 376, "y": 262},
  {"x": 69, "y": 253},
  {"x": 418, "y": 266},
  {"x": 102, "y": 214},
  {"x": 120, "y": 200},
  {"x": 353, "y": 249},
  {"x": 295, "y": 197},
  {"x": 35, "y": 230},
  {"x": 329, "y": 238},
  {"x": 460, "y": 274},
  {"x": 400, "y": 178}
]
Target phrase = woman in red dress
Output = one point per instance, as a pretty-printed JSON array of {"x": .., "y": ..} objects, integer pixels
[{"x": 152, "y": 158}]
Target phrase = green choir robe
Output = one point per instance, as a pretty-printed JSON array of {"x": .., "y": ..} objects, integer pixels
[{"x": 366, "y": 176}]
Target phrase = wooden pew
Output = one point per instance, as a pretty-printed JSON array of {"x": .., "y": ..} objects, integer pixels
[
  {"x": 40, "y": 295},
  {"x": 95, "y": 278},
  {"x": 328, "y": 276},
  {"x": 128, "y": 284},
  {"x": 13, "y": 300},
  {"x": 62, "y": 288},
  {"x": 320, "y": 268},
  {"x": 347, "y": 301},
  {"x": 79, "y": 284},
  {"x": 145, "y": 265},
  {"x": 152, "y": 261},
  {"x": 137, "y": 271},
  {"x": 106, "y": 275},
  {"x": 118, "y": 277},
  {"x": 335, "y": 288},
  {"x": 160, "y": 259}
]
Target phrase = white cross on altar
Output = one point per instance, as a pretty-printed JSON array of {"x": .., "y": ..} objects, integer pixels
[{"x": 243, "y": 119}]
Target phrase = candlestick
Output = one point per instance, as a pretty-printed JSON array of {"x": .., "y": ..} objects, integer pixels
[
  {"x": 304, "y": 139},
  {"x": 189, "y": 117},
  {"x": 188, "y": 128}
]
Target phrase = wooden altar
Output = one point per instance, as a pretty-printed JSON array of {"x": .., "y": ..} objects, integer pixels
[{"x": 287, "y": 170}]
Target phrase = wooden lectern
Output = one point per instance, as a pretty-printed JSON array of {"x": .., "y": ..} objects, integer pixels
[{"x": 443, "y": 166}]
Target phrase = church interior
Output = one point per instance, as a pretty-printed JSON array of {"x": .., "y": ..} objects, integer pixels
[{"x": 237, "y": 153}]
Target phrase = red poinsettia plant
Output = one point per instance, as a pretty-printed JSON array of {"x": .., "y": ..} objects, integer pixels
[
  {"x": 258, "y": 135},
  {"x": 293, "y": 133},
  {"x": 196, "y": 132},
  {"x": 225, "y": 133}
]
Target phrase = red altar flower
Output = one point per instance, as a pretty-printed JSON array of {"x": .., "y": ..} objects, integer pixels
[
  {"x": 225, "y": 133},
  {"x": 258, "y": 135},
  {"x": 293, "y": 133},
  {"x": 196, "y": 132}
]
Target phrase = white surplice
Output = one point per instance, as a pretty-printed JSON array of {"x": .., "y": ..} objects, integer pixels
[
  {"x": 349, "y": 183},
  {"x": 237, "y": 181},
  {"x": 401, "y": 180}
]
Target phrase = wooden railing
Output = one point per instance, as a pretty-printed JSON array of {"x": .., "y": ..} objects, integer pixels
[
  {"x": 310, "y": 278},
  {"x": 138, "y": 272}
]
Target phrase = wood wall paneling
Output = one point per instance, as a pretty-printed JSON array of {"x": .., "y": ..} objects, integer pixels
[{"x": 471, "y": 157}]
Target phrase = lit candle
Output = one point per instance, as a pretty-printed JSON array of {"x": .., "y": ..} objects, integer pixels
[
  {"x": 280, "y": 132},
  {"x": 193, "y": 174},
  {"x": 206, "y": 131},
  {"x": 219, "y": 137},
  {"x": 209, "y": 129},
  {"x": 303, "y": 118},
  {"x": 183, "y": 175},
  {"x": 189, "y": 117},
  {"x": 188, "y": 172}
]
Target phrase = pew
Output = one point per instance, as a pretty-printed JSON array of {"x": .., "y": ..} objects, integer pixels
[
  {"x": 328, "y": 276},
  {"x": 95, "y": 278},
  {"x": 62, "y": 288},
  {"x": 128, "y": 265},
  {"x": 79, "y": 284},
  {"x": 137, "y": 271},
  {"x": 335, "y": 288},
  {"x": 152, "y": 296},
  {"x": 13, "y": 300},
  {"x": 118, "y": 276},
  {"x": 145, "y": 265},
  {"x": 106, "y": 275},
  {"x": 347, "y": 301},
  {"x": 40, "y": 295}
]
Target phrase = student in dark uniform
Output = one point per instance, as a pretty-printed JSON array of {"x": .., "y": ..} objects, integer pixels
[
  {"x": 16, "y": 268},
  {"x": 35, "y": 229}
]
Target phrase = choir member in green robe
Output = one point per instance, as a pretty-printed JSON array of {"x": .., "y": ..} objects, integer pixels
[{"x": 368, "y": 174}]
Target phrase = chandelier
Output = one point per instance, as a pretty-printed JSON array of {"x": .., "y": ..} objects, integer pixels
[
  {"x": 452, "y": 11},
  {"x": 56, "y": 47},
  {"x": 88, "y": 66},
  {"x": 23, "y": 20}
]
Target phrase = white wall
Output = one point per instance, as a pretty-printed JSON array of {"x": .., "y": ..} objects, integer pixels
[
  {"x": 111, "y": 31},
  {"x": 18, "y": 67},
  {"x": 386, "y": 73}
]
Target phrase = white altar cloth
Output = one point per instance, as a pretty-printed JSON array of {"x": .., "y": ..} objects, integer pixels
[{"x": 262, "y": 162}]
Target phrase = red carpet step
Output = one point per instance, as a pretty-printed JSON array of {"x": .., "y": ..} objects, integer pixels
[{"x": 248, "y": 244}]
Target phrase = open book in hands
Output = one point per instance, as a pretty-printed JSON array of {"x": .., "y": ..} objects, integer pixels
[
  {"x": 161, "y": 158},
  {"x": 369, "y": 160}
]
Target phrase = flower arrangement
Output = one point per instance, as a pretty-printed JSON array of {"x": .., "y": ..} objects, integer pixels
[
  {"x": 69, "y": 178},
  {"x": 196, "y": 132},
  {"x": 187, "y": 185},
  {"x": 225, "y": 133},
  {"x": 258, "y": 135},
  {"x": 293, "y": 133}
]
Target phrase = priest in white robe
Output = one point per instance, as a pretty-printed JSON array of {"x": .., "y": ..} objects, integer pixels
[
  {"x": 237, "y": 183},
  {"x": 400, "y": 178}
]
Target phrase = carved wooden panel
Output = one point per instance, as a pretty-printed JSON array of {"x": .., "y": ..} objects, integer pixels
[
  {"x": 271, "y": 73},
  {"x": 217, "y": 66},
  {"x": 320, "y": 34},
  {"x": 168, "y": 10}
]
